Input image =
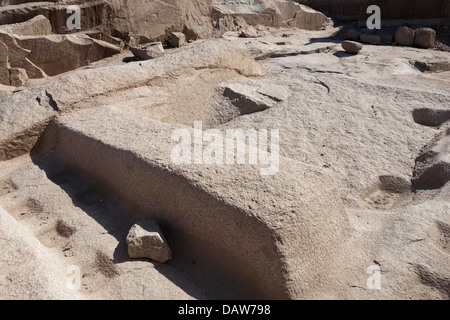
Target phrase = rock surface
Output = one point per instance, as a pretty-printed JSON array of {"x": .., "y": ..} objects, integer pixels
[
  {"x": 357, "y": 203},
  {"x": 146, "y": 240}
]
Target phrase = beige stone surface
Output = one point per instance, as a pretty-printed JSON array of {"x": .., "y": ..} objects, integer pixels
[{"x": 359, "y": 197}]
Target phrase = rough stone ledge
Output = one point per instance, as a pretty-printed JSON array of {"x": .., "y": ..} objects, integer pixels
[{"x": 273, "y": 235}]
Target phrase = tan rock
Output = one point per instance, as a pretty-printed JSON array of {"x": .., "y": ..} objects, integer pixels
[
  {"x": 146, "y": 240},
  {"x": 78, "y": 49}
]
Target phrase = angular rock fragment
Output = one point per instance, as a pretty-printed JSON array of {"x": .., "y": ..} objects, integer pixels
[
  {"x": 177, "y": 39},
  {"x": 351, "y": 46},
  {"x": 146, "y": 240},
  {"x": 148, "y": 51}
]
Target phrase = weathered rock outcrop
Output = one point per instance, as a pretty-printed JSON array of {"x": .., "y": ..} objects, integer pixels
[
  {"x": 78, "y": 50},
  {"x": 25, "y": 114},
  {"x": 273, "y": 235},
  {"x": 144, "y": 21}
]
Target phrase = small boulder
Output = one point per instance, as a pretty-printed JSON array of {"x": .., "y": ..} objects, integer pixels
[
  {"x": 148, "y": 51},
  {"x": 404, "y": 36},
  {"x": 425, "y": 38},
  {"x": 18, "y": 77},
  {"x": 353, "y": 35},
  {"x": 351, "y": 46},
  {"x": 145, "y": 240},
  {"x": 177, "y": 39},
  {"x": 370, "y": 38}
]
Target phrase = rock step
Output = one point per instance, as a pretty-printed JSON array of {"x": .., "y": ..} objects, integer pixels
[{"x": 274, "y": 235}]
